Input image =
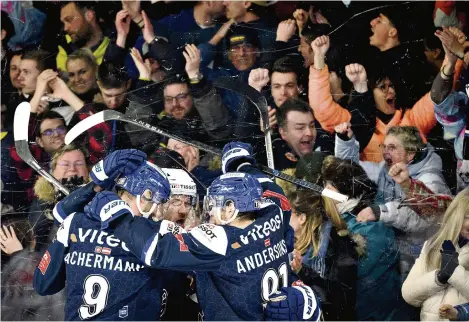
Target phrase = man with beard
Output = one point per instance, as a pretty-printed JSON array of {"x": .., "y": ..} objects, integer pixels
[
  {"x": 191, "y": 108},
  {"x": 82, "y": 30}
]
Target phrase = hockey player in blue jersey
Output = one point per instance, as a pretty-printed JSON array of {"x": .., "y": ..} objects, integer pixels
[
  {"x": 241, "y": 260},
  {"x": 104, "y": 280}
]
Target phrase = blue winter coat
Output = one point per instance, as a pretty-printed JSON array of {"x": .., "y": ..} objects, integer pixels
[{"x": 379, "y": 286}]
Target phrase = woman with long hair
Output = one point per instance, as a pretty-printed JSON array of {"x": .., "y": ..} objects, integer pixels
[
  {"x": 325, "y": 255},
  {"x": 441, "y": 273},
  {"x": 379, "y": 284}
]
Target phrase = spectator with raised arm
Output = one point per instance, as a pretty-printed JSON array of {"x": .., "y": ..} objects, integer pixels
[
  {"x": 192, "y": 108},
  {"x": 379, "y": 284},
  {"x": 252, "y": 16},
  {"x": 192, "y": 25},
  {"x": 330, "y": 114},
  {"x": 450, "y": 105},
  {"x": 285, "y": 83},
  {"x": 402, "y": 145}
]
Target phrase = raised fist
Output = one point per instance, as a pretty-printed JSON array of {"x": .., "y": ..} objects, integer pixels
[
  {"x": 356, "y": 74},
  {"x": 321, "y": 45},
  {"x": 400, "y": 173},
  {"x": 258, "y": 78},
  {"x": 286, "y": 29}
]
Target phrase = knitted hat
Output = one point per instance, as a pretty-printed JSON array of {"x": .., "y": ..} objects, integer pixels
[
  {"x": 165, "y": 158},
  {"x": 241, "y": 35},
  {"x": 309, "y": 167}
]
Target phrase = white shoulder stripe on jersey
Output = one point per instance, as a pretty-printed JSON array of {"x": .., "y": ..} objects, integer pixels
[
  {"x": 56, "y": 214},
  {"x": 310, "y": 305},
  {"x": 262, "y": 180},
  {"x": 64, "y": 230},
  {"x": 211, "y": 236},
  {"x": 151, "y": 250}
]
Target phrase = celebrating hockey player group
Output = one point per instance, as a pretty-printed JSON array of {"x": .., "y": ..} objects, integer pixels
[
  {"x": 234, "y": 160},
  {"x": 119, "y": 263}
]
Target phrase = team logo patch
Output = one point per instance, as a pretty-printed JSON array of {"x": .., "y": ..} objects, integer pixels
[
  {"x": 235, "y": 245},
  {"x": 102, "y": 250},
  {"x": 290, "y": 156},
  {"x": 124, "y": 312},
  {"x": 44, "y": 264},
  {"x": 73, "y": 238}
]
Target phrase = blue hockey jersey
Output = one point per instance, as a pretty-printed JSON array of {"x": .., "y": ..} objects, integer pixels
[
  {"x": 236, "y": 269},
  {"x": 105, "y": 281}
]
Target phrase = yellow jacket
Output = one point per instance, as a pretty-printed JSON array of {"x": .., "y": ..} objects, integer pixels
[{"x": 98, "y": 53}]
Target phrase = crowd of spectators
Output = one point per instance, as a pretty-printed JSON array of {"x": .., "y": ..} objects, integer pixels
[{"x": 369, "y": 99}]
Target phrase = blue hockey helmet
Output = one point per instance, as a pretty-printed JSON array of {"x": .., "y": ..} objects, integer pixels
[
  {"x": 241, "y": 189},
  {"x": 148, "y": 182}
]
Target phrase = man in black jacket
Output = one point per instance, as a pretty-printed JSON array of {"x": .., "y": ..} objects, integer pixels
[
  {"x": 406, "y": 63},
  {"x": 192, "y": 109},
  {"x": 299, "y": 135}
]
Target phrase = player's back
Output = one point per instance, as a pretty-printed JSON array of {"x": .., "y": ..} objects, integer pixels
[
  {"x": 105, "y": 281},
  {"x": 256, "y": 267}
]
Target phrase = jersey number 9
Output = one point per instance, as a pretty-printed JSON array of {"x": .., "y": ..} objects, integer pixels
[{"x": 95, "y": 293}]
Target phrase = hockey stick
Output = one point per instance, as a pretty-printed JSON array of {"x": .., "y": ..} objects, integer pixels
[
  {"x": 110, "y": 115},
  {"x": 20, "y": 133},
  {"x": 259, "y": 101}
]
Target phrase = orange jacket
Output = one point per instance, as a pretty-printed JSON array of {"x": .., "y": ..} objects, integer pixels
[{"x": 329, "y": 114}]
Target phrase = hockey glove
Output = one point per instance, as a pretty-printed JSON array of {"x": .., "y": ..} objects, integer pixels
[
  {"x": 120, "y": 162},
  {"x": 74, "y": 202},
  {"x": 296, "y": 303},
  {"x": 449, "y": 261},
  {"x": 235, "y": 154},
  {"x": 106, "y": 207}
]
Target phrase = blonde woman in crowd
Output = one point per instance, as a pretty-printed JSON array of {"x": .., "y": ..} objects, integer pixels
[
  {"x": 325, "y": 255},
  {"x": 441, "y": 273}
]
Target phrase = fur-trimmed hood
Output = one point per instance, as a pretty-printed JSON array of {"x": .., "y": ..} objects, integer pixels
[{"x": 45, "y": 191}]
